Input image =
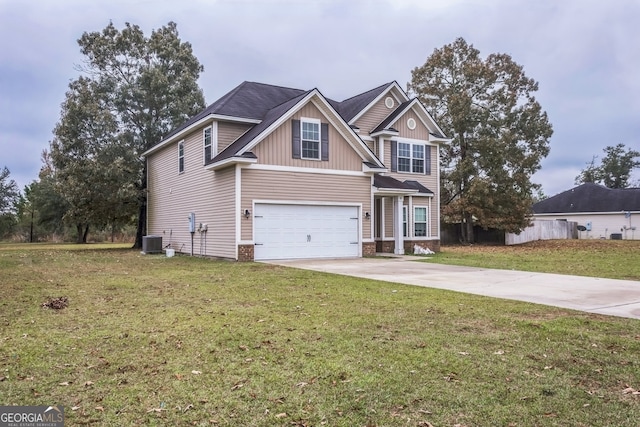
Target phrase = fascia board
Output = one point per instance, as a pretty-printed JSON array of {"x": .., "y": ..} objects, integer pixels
[
  {"x": 367, "y": 169},
  {"x": 424, "y": 111},
  {"x": 230, "y": 161},
  {"x": 394, "y": 192}
]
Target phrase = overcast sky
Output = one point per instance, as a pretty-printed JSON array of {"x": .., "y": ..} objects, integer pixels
[{"x": 585, "y": 54}]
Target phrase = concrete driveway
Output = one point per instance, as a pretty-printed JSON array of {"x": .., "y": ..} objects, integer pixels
[{"x": 594, "y": 295}]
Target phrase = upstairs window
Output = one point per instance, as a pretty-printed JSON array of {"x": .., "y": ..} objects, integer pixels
[
  {"x": 411, "y": 158},
  {"x": 206, "y": 137},
  {"x": 181, "y": 156},
  {"x": 310, "y": 139}
]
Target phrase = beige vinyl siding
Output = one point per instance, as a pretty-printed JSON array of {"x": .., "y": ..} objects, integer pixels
[
  {"x": 229, "y": 132},
  {"x": 172, "y": 196},
  {"x": 374, "y": 116},
  {"x": 304, "y": 187},
  {"x": 275, "y": 149}
]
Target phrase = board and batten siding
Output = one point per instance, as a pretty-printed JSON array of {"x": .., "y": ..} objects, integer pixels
[
  {"x": 389, "y": 216},
  {"x": 229, "y": 132},
  {"x": 276, "y": 149},
  {"x": 305, "y": 188},
  {"x": 172, "y": 196},
  {"x": 374, "y": 116},
  {"x": 420, "y": 132}
]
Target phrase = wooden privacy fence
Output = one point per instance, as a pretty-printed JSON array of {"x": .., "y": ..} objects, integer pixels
[{"x": 543, "y": 230}]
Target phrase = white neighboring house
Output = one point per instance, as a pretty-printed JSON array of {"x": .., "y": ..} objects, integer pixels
[{"x": 605, "y": 213}]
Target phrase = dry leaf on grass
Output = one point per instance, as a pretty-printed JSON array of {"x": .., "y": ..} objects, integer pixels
[{"x": 56, "y": 303}]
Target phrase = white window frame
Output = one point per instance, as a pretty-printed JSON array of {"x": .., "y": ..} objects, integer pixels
[
  {"x": 411, "y": 157},
  {"x": 426, "y": 221},
  {"x": 205, "y": 144},
  {"x": 316, "y": 122},
  {"x": 214, "y": 142},
  {"x": 181, "y": 162}
]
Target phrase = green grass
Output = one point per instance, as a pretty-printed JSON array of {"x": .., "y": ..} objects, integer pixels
[
  {"x": 150, "y": 340},
  {"x": 614, "y": 259}
]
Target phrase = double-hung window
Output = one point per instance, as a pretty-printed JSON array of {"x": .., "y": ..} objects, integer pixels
[
  {"x": 420, "y": 221},
  {"x": 410, "y": 157},
  {"x": 310, "y": 131},
  {"x": 206, "y": 136},
  {"x": 181, "y": 156}
]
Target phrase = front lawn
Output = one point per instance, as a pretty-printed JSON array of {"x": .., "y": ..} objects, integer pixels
[
  {"x": 614, "y": 259},
  {"x": 150, "y": 340}
]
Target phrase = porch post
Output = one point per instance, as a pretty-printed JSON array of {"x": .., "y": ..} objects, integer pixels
[{"x": 397, "y": 226}]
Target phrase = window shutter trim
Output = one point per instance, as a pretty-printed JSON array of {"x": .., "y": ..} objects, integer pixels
[
  {"x": 427, "y": 160},
  {"x": 394, "y": 156},
  {"x": 295, "y": 139},
  {"x": 324, "y": 141}
]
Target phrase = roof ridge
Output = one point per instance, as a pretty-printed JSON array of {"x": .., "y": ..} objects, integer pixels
[
  {"x": 228, "y": 95},
  {"x": 367, "y": 91},
  {"x": 276, "y": 86},
  {"x": 301, "y": 95}
]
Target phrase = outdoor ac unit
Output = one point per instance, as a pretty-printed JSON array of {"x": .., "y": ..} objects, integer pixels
[{"x": 152, "y": 244}]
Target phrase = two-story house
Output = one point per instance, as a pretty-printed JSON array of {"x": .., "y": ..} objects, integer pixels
[{"x": 269, "y": 172}]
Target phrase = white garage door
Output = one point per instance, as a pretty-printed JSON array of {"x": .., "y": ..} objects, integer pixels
[{"x": 305, "y": 231}]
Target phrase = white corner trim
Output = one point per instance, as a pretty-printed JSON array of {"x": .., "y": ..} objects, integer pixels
[{"x": 238, "y": 206}]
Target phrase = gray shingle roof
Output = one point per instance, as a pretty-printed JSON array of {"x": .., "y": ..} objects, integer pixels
[
  {"x": 418, "y": 186},
  {"x": 389, "y": 182},
  {"x": 270, "y": 117},
  {"x": 249, "y": 100},
  {"x": 266, "y": 103},
  {"x": 591, "y": 197},
  {"x": 350, "y": 107}
]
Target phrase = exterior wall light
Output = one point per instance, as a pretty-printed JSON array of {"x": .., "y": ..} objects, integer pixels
[
  {"x": 247, "y": 213},
  {"x": 367, "y": 215}
]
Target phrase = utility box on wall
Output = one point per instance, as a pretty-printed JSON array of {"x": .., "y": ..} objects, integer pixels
[{"x": 152, "y": 244}]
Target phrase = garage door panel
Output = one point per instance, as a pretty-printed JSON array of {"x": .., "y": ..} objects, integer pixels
[{"x": 305, "y": 231}]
